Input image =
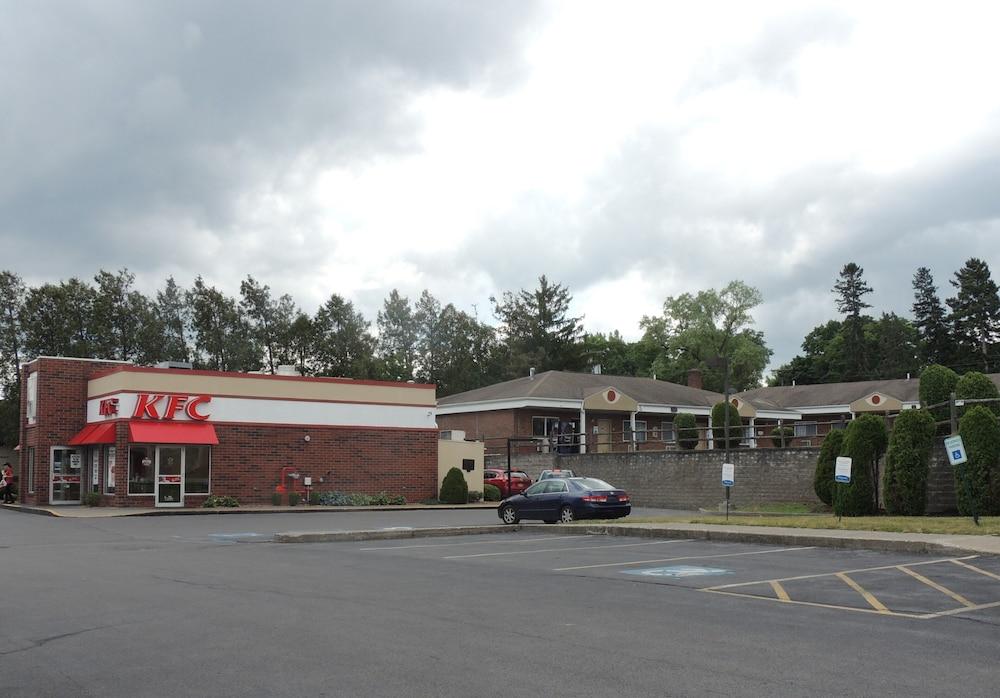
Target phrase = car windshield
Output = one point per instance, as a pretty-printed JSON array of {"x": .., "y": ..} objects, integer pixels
[{"x": 591, "y": 483}]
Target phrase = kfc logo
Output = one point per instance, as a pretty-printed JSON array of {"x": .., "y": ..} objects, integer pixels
[
  {"x": 109, "y": 407},
  {"x": 149, "y": 406}
]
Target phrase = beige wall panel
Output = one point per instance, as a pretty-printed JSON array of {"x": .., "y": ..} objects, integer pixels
[
  {"x": 885, "y": 403},
  {"x": 251, "y": 386},
  {"x": 450, "y": 455},
  {"x": 599, "y": 402}
]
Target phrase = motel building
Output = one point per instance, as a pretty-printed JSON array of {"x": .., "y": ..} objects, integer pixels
[{"x": 169, "y": 436}]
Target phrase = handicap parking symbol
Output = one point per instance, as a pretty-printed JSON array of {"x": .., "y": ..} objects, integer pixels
[{"x": 678, "y": 571}]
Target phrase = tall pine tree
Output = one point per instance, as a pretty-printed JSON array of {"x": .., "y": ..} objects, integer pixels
[
  {"x": 929, "y": 318},
  {"x": 851, "y": 289},
  {"x": 975, "y": 314}
]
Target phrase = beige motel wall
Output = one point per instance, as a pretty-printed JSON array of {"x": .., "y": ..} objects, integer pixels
[{"x": 455, "y": 452}]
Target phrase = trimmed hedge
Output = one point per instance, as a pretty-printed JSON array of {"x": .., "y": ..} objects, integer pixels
[
  {"x": 720, "y": 413},
  {"x": 826, "y": 465},
  {"x": 907, "y": 463},
  {"x": 936, "y": 385},
  {"x": 686, "y": 428},
  {"x": 782, "y": 437},
  {"x": 864, "y": 443},
  {"x": 977, "y": 481},
  {"x": 977, "y": 386},
  {"x": 491, "y": 493},
  {"x": 454, "y": 489}
]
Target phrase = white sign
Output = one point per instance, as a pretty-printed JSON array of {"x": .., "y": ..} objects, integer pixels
[
  {"x": 307, "y": 481},
  {"x": 75, "y": 461},
  {"x": 843, "y": 472},
  {"x": 728, "y": 474},
  {"x": 956, "y": 450}
]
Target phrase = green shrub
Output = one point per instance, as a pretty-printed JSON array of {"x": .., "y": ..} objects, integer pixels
[
  {"x": 491, "y": 493},
  {"x": 720, "y": 412},
  {"x": 907, "y": 463},
  {"x": 293, "y": 499},
  {"x": 826, "y": 465},
  {"x": 475, "y": 496},
  {"x": 977, "y": 481},
  {"x": 91, "y": 499},
  {"x": 214, "y": 500},
  {"x": 864, "y": 443},
  {"x": 977, "y": 386},
  {"x": 782, "y": 437},
  {"x": 936, "y": 385},
  {"x": 314, "y": 497},
  {"x": 454, "y": 489},
  {"x": 686, "y": 428}
]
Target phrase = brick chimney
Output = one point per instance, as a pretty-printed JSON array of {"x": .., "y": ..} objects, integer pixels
[{"x": 694, "y": 378}]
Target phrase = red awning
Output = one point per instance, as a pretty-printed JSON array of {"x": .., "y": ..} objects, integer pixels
[
  {"x": 172, "y": 433},
  {"x": 102, "y": 433}
]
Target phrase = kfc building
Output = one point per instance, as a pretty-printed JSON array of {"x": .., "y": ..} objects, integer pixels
[{"x": 169, "y": 436}]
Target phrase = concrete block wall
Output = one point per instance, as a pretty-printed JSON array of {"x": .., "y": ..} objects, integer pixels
[{"x": 693, "y": 479}]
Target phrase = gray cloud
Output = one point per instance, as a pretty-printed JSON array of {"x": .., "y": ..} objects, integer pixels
[{"x": 129, "y": 124}]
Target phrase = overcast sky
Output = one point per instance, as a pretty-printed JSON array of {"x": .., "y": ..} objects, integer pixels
[{"x": 628, "y": 150}]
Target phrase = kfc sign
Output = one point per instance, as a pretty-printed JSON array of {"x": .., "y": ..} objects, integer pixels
[
  {"x": 109, "y": 407},
  {"x": 148, "y": 405}
]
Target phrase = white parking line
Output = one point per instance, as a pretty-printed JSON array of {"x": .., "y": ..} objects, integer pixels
[
  {"x": 686, "y": 557},
  {"x": 562, "y": 550},
  {"x": 482, "y": 542}
]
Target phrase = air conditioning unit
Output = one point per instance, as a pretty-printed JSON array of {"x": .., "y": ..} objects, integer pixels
[{"x": 805, "y": 442}]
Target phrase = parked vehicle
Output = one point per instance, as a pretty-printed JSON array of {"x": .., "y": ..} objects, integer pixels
[
  {"x": 566, "y": 499},
  {"x": 519, "y": 481},
  {"x": 555, "y": 472}
]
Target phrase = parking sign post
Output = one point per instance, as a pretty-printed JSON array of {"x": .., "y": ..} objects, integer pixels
[
  {"x": 957, "y": 455},
  {"x": 842, "y": 475},
  {"x": 728, "y": 480}
]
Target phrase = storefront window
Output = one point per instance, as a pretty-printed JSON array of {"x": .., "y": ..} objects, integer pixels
[
  {"x": 31, "y": 469},
  {"x": 95, "y": 468},
  {"x": 109, "y": 470},
  {"x": 197, "y": 469},
  {"x": 141, "y": 470}
]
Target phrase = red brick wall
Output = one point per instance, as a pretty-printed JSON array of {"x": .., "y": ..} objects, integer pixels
[{"x": 60, "y": 412}]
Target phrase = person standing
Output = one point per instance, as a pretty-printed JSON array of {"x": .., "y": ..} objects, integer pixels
[{"x": 7, "y": 478}]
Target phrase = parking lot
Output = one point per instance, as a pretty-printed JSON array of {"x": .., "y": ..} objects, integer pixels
[
  {"x": 907, "y": 586},
  {"x": 211, "y": 605}
]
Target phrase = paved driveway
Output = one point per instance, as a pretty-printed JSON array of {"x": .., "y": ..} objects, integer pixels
[{"x": 204, "y": 606}]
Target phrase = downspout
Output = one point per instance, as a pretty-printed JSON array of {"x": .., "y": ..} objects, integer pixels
[
  {"x": 583, "y": 429},
  {"x": 632, "y": 422}
]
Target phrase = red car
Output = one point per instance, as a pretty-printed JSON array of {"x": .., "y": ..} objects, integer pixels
[{"x": 519, "y": 481}]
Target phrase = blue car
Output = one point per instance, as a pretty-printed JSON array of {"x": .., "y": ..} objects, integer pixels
[{"x": 566, "y": 500}]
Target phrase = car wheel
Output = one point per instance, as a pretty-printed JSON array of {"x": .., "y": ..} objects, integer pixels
[
  {"x": 566, "y": 514},
  {"x": 509, "y": 515}
]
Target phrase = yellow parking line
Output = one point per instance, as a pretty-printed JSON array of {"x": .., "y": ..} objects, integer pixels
[
  {"x": 870, "y": 598},
  {"x": 976, "y": 569},
  {"x": 934, "y": 585},
  {"x": 830, "y": 574},
  {"x": 780, "y": 591},
  {"x": 814, "y": 604}
]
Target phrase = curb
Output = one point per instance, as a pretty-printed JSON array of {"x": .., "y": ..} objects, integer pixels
[
  {"x": 845, "y": 543},
  {"x": 391, "y": 534}
]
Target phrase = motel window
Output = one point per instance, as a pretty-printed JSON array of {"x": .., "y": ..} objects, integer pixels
[
  {"x": 542, "y": 426},
  {"x": 109, "y": 470},
  {"x": 197, "y": 469},
  {"x": 805, "y": 429},
  {"x": 141, "y": 470},
  {"x": 667, "y": 431},
  {"x": 640, "y": 430},
  {"x": 31, "y": 469}
]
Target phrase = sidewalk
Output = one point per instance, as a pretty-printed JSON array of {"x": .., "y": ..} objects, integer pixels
[{"x": 74, "y": 511}]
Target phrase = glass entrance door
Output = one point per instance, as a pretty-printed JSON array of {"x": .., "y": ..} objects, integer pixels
[
  {"x": 169, "y": 476},
  {"x": 67, "y": 465}
]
